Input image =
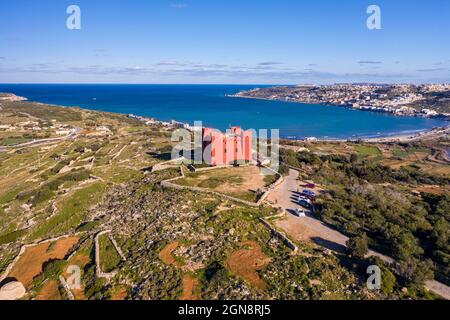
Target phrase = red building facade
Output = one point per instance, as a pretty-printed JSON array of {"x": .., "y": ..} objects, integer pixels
[{"x": 233, "y": 147}]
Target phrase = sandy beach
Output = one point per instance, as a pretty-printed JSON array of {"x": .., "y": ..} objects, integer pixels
[{"x": 432, "y": 134}]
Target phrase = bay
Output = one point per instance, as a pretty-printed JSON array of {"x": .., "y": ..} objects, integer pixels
[{"x": 211, "y": 105}]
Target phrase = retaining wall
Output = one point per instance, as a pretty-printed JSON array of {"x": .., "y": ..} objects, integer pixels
[
  {"x": 98, "y": 270},
  {"x": 291, "y": 245}
]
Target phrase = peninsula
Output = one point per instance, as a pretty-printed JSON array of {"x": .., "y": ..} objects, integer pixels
[{"x": 427, "y": 100}]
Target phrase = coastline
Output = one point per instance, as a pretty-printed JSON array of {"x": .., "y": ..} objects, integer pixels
[
  {"x": 424, "y": 134},
  {"x": 339, "y": 106},
  {"x": 427, "y": 134},
  {"x": 431, "y": 133}
]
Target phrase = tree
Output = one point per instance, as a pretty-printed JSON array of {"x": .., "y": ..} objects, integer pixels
[
  {"x": 388, "y": 281},
  {"x": 358, "y": 246},
  {"x": 441, "y": 233},
  {"x": 284, "y": 170},
  {"x": 406, "y": 246},
  {"x": 414, "y": 271}
]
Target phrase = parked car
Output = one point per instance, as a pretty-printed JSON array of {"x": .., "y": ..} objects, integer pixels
[
  {"x": 309, "y": 194},
  {"x": 306, "y": 203},
  {"x": 302, "y": 197},
  {"x": 311, "y": 185},
  {"x": 299, "y": 212}
]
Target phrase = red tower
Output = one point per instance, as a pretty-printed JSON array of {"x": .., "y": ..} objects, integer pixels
[{"x": 223, "y": 149}]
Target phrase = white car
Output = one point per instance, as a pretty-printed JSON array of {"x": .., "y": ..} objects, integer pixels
[{"x": 299, "y": 212}]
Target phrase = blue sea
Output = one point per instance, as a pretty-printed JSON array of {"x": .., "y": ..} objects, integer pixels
[{"x": 209, "y": 104}]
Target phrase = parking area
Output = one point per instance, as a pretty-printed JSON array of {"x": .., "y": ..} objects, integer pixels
[{"x": 306, "y": 227}]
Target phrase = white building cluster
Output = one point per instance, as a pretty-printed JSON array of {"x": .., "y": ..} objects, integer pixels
[
  {"x": 153, "y": 122},
  {"x": 401, "y": 99}
]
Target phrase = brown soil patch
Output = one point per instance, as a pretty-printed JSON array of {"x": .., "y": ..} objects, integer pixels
[
  {"x": 443, "y": 170},
  {"x": 315, "y": 282},
  {"x": 396, "y": 164},
  {"x": 120, "y": 293},
  {"x": 301, "y": 231},
  {"x": 246, "y": 261},
  {"x": 78, "y": 294},
  {"x": 420, "y": 155},
  {"x": 438, "y": 190},
  {"x": 166, "y": 254},
  {"x": 30, "y": 263},
  {"x": 189, "y": 285},
  {"x": 50, "y": 291},
  {"x": 189, "y": 282}
]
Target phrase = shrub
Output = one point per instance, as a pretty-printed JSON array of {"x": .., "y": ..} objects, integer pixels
[
  {"x": 11, "y": 237},
  {"x": 358, "y": 246}
]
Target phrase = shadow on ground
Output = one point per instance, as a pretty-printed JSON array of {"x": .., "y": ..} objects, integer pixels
[{"x": 329, "y": 244}]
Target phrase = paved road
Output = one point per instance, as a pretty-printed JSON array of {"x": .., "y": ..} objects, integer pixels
[
  {"x": 74, "y": 133},
  {"x": 38, "y": 142},
  {"x": 311, "y": 229}
]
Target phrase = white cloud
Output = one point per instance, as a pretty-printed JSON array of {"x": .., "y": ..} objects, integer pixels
[
  {"x": 369, "y": 62},
  {"x": 194, "y": 72},
  {"x": 431, "y": 70}
]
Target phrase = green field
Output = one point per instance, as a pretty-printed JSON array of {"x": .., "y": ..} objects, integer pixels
[
  {"x": 72, "y": 211},
  {"x": 366, "y": 151},
  {"x": 11, "y": 141},
  {"x": 109, "y": 258}
]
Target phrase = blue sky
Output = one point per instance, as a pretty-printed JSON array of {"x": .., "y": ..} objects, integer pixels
[{"x": 224, "y": 41}]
